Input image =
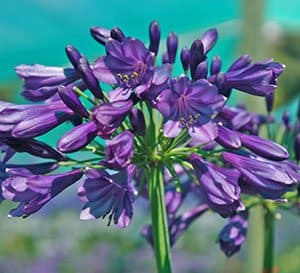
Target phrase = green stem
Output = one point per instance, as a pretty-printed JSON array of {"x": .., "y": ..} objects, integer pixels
[
  {"x": 269, "y": 242},
  {"x": 160, "y": 230}
]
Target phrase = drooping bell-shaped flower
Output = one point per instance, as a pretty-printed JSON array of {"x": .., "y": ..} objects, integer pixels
[
  {"x": 118, "y": 151},
  {"x": 233, "y": 234},
  {"x": 219, "y": 186},
  {"x": 106, "y": 194},
  {"x": 258, "y": 79},
  {"x": 34, "y": 191},
  {"x": 190, "y": 105},
  {"x": 271, "y": 179}
]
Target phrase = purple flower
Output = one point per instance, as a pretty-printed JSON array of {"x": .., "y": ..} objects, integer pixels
[
  {"x": 233, "y": 234},
  {"x": 106, "y": 194},
  {"x": 271, "y": 179},
  {"x": 100, "y": 34},
  {"x": 172, "y": 45},
  {"x": 190, "y": 105},
  {"x": 228, "y": 138},
  {"x": 109, "y": 116},
  {"x": 70, "y": 99},
  {"x": 154, "y": 36},
  {"x": 78, "y": 137},
  {"x": 258, "y": 79},
  {"x": 26, "y": 121},
  {"x": 128, "y": 64},
  {"x": 216, "y": 65},
  {"x": 185, "y": 59},
  {"x": 34, "y": 191},
  {"x": 219, "y": 186},
  {"x": 33, "y": 147},
  {"x": 41, "y": 82},
  {"x": 263, "y": 147},
  {"x": 137, "y": 121},
  {"x": 118, "y": 151}
]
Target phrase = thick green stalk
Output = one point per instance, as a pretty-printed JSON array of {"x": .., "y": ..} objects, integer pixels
[
  {"x": 269, "y": 242},
  {"x": 160, "y": 232}
]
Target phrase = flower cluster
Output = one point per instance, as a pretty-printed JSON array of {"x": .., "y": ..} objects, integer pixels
[{"x": 131, "y": 115}]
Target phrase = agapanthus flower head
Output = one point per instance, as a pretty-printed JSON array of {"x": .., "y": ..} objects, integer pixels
[
  {"x": 190, "y": 105},
  {"x": 165, "y": 136},
  {"x": 106, "y": 194},
  {"x": 233, "y": 234}
]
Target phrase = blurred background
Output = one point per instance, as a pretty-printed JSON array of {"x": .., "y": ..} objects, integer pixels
[{"x": 55, "y": 240}]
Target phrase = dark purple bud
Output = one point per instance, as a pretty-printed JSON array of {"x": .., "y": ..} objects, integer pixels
[
  {"x": 89, "y": 78},
  {"x": 297, "y": 147},
  {"x": 73, "y": 55},
  {"x": 34, "y": 147},
  {"x": 106, "y": 194},
  {"x": 241, "y": 62},
  {"x": 269, "y": 101},
  {"x": 264, "y": 147},
  {"x": 109, "y": 116},
  {"x": 172, "y": 46},
  {"x": 201, "y": 71},
  {"x": 209, "y": 39},
  {"x": 185, "y": 58},
  {"x": 154, "y": 37},
  {"x": 216, "y": 65},
  {"x": 165, "y": 58},
  {"x": 271, "y": 179},
  {"x": 286, "y": 119},
  {"x": 233, "y": 234},
  {"x": 118, "y": 151},
  {"x": 69, "y": 97},
  {"x": 34, "y": 191},
  {"x": 117, "y": 34},
  {"x": 137, "y": 121},
  {"x": 196, "y": 55},
  {"x": 76, "y": 120},
  {"x": 228, "y": 138},
  {"x": 101, "y": 35},
  {"x": 219, "y": 186},
  {"x": 77, "y": 138}
]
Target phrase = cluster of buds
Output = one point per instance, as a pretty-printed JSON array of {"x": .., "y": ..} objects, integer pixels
[{"x": 130, "y": 114}]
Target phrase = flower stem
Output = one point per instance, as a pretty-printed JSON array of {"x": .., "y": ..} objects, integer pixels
[
  {"x": 269, "y": 242},
  {"x": 160, "y": 230}
]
